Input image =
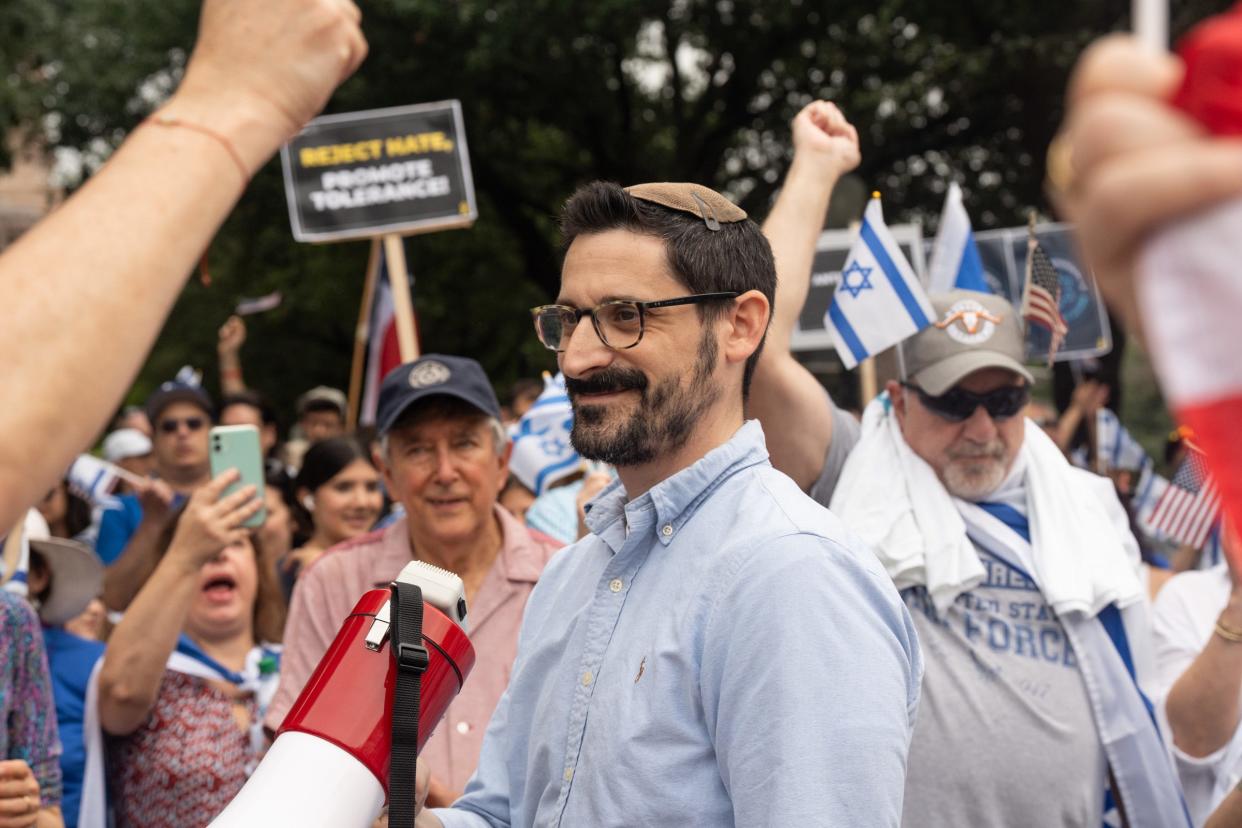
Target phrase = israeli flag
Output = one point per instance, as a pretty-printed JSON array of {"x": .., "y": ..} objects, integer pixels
[
  {"x": 879, "y": 301},
  {"x": 542, "y": 453},
  {"x": 955, "y": 259}
]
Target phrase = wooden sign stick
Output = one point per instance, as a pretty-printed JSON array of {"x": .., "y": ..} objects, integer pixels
[
  {"x": 362, "y": 335},
  {"x": 403, "y": 305}
]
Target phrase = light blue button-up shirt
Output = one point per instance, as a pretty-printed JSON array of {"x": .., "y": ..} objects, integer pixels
[{"x": 719, "y": 651}]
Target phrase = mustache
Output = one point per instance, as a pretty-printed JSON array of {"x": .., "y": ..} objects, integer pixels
[
  {"x": 607, "y": 381},
  {"x": 993, "y": 449}
]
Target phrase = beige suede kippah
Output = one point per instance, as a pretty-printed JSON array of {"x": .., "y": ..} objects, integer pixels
[{"x": 695, "y": 199}]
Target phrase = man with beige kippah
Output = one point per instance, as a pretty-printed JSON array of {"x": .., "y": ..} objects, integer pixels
[
  {"x": 719, "y": 650},
  {"x": 1019, "y": 570}
]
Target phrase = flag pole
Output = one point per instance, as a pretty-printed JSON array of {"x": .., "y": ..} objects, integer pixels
[
  {"x": 362, "y": 334},
  {"x": 1151, "y": 23},
  {"x": 403, "y": 304}
]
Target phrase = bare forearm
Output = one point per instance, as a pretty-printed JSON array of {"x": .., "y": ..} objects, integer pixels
[
  {"x": 130, "y": 571},
  {"x": 1202, "y": 707},
  {"x": 1067, "y": 426},
  {"x": 111, "y": 262},
  {"x": 792, "y": 228},
  {"x": 140, "y": 645},
  {"x": 231, "y": 379}
]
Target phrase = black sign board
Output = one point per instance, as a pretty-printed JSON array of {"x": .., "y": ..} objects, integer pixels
[{"x": 400, "y": 170}]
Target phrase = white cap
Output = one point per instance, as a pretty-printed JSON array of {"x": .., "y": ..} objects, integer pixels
[{"x": 124, "y": 443}]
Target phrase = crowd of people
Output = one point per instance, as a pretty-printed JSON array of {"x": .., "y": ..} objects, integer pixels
[{"x": 700, "y": 592}]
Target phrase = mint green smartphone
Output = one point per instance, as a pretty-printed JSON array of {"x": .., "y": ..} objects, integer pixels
[{"x": 237, "y": 447}]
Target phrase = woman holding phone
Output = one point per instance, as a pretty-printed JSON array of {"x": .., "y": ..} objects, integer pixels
[{"x": 189, "y": 670}]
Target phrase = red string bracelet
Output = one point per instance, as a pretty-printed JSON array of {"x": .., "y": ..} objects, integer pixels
[{"x": 165, "y": 121}]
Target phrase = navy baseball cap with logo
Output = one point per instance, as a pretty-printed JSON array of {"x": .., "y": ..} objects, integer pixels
[{"x": 428, "y": 376}]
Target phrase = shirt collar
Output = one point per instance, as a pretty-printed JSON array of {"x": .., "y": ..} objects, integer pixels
[
  {"x": 676, "y": 499},
  {"x": 519, "y": 558}
]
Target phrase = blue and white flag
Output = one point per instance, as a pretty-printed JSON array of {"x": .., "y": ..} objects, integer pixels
[
  {"x": 1115, "y": 447},
  {"x": 955, "y": 258},
  {"x": 542, "y": 453},
  {"x": 879, "y": 301}
]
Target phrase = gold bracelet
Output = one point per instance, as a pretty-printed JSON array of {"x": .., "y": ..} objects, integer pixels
[
  {"x": 1228, "y": 633},
  {"x": 165, "y": 121}
]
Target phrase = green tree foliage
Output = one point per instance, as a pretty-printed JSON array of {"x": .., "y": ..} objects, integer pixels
[{"x": 555, "y": 93}]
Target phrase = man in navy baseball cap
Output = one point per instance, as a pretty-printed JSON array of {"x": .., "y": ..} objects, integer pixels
[{"x": 445, "y": 458}]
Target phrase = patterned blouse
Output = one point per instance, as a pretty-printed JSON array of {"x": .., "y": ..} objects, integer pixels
[
  {"x": 187, "y": 761},
  {"x": 29, "y": 731}
]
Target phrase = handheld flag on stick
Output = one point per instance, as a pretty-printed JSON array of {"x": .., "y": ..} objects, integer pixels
[
  {"x": 1041, "y": 297},
  {"x": 94, "y": 480},
  {"x": 879, "y": 301},
  {"x": 1188, "y": 506},
  {"x": 955, "y": 259}
]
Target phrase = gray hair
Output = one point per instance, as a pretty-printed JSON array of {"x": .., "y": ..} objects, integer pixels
[{"x": 500, "y": 439}]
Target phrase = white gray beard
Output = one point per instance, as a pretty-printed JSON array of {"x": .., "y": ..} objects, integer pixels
[{"x": 974, "y": 479}]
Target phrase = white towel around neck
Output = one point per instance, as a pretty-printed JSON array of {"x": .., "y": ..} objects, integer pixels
[{"x": 1084, "y": 555}]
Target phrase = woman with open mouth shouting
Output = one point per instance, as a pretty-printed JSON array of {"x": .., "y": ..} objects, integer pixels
[{"x": 190, "y": 668}]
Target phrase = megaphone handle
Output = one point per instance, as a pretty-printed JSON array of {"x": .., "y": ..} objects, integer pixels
[{"x": 406, "y": 640}]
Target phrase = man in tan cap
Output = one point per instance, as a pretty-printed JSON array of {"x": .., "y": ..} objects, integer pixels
[
  {"x": 719, "y": 650},
  {"x": 1019, "y": 570}
]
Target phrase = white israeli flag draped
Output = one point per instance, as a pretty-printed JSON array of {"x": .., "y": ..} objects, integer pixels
[
  {"x": 955, "y": 259},
  {"x": 879, "y": 301}
]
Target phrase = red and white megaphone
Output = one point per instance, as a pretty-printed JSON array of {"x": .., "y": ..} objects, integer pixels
[{"x": 329, "y": 764}]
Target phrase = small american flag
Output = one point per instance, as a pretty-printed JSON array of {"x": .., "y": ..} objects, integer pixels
[
  {"x": 1041, "y": 300},
  {"x": 1189, "y": 505}
]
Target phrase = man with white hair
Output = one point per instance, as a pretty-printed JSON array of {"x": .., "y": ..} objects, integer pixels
[
  {"x": 445, "y": 458},
  {"x": 1019, "y": 570}
]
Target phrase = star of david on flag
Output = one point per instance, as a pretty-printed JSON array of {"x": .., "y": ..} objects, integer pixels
[
  {"x": 855, "y": 279},
  {"x": 880, "y": 301}
]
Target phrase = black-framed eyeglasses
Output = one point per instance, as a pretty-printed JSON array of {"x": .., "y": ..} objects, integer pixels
[
  {"x": 619, "y": 323},
  {"x": 958, "y": 404},
  {"x": 171, "y": 425}
]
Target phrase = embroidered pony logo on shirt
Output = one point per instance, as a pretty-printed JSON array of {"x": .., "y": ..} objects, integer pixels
[{"x": 642, "y": 665}]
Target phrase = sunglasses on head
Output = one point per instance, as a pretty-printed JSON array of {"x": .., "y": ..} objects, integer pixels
[
  {"x": 171, "y": 426},
  {"x": 957, "y": 404}
]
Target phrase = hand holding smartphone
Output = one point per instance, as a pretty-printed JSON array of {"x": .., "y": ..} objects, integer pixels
[{"x": 237, "y": 447}]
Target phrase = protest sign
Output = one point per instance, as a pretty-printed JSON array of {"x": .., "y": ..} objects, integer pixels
[
  {"x": 361, "y": 174},
  {"x": 1004, "y": 252}
]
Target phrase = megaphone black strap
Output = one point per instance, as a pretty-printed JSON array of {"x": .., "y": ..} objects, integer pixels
[{"x": 406, "y": 641}]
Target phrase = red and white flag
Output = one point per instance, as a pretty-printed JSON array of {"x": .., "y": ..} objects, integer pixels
[
  {"x": 383, "y": 351},
  {"x": 1189, "y": 286}
]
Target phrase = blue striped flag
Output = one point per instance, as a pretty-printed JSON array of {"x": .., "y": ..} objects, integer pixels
[
  {"x": 879, "y": 301},
  {"x": 955, "y": 259}
]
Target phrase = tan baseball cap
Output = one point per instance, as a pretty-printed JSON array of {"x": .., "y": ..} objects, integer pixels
[{"x": 970, "y": 331}]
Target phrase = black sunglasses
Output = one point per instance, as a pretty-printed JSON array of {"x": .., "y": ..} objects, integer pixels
[
  {"x": 170, "y": 425},
  {"x": 957, "y": 404}
]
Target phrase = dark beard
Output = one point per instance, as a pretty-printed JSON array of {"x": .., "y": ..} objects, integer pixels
[{"x": 662, "y": 423}]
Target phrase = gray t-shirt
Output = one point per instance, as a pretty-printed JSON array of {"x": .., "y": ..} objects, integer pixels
[
  {"x": 1005, "y": 733},
  {"x": 845, "y": 434}
]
